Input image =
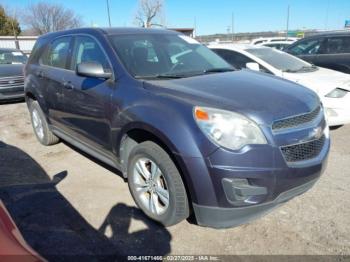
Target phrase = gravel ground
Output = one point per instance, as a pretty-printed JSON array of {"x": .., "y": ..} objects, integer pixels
[{"x": 64, "y": 202}]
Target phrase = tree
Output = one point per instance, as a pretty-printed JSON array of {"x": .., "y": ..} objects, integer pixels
[
  {"x": 148, "y": 12},
  {"x": 8, "y": 25},
  {"x": 44, "y": 17}
]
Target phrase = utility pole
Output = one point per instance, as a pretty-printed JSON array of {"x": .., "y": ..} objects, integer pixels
[
  {"x": 288, "y": 13},
  {"x": 195, "y": 27},
  {"x": 233, "y": 26},
  {"x": 109, "y": 16}
]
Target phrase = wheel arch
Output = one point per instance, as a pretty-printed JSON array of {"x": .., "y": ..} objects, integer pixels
[{"x": 138, "y": 134}]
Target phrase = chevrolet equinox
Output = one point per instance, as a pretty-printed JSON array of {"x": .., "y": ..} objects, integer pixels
[{"x": 190, "y": 134}]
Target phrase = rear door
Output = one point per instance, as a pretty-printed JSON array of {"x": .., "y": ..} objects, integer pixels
[
  {"x": 335, "y": 54},
  {"x": 87, "y": 99},
  {"x": 52, "y": 73}
]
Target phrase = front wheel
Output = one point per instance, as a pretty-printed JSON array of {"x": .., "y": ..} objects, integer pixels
[{"x": 156, "y": 184}]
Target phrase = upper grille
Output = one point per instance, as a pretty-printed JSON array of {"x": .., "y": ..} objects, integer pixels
[
  {"x": 304, "y": 151},
  {"x": 296, "y": 120},
  {"x": 12, "y": 81}
]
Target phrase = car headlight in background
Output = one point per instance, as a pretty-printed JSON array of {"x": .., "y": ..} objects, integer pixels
[
  {"x": 337, "y": 93},
  {"x": 228, "y": 129}
]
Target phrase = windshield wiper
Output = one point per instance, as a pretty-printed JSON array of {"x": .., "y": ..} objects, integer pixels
[
  {"x": 301, "y": 69},
  {"x": 218, "y": 70},
  {"x": 177, "y": 76},
  {"x": 160, "y": 76}
]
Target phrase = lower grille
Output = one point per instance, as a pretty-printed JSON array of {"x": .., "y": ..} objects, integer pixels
[
  {"x": 304, "y": 151},
  {"x": 12, "y": 81}
]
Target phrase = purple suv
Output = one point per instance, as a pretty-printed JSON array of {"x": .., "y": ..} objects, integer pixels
[{"x": 191, "y": 135}]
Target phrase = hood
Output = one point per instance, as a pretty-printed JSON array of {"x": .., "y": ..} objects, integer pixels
[
  {"x": 261, "y": 97},
  {"x": 11, "y": 70},
  {"x": 322, "y": 81}
]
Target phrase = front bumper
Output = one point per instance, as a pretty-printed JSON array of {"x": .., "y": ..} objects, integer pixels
[
  {"x": 229, "y": 217},
  {"x": 229, "y": 188},
  {"x": 337, "y": 117},
  {"x": 337, "y": 110},
  {"x": 13, "y": 93}
]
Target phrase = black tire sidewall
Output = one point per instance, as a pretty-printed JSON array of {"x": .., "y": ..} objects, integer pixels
[
  {"x": 168, "y": 169},
  {"x": 35, "y": 105}
]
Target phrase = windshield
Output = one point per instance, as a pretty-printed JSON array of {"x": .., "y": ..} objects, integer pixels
[
  {"x": 12, "y": 57},
  {"x": 281, "y": 60},
  {"x": 166, "y": 55}
]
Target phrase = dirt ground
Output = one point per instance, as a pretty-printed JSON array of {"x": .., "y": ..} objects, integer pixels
[{"x": 64, "y": 202}]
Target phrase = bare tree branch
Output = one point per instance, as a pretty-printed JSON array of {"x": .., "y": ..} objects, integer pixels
[
  {"x": 148, "y": 12},
  {"x": 44, "y": 17}
]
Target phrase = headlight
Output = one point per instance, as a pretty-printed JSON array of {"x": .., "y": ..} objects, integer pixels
[
  {"x": 337, "y": 93},
  {"x": 228, "y": 129}
]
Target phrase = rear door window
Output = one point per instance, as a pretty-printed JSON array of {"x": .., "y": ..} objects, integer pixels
[{"x": 57, "y": 54}]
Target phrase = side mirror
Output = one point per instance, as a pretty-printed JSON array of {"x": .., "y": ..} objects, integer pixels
[
  {"x": 253, "y": 66},
  {"x": 92, "y": 69}
]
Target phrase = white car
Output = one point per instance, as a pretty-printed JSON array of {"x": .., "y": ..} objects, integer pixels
[
  {"x": 280, "y": 45},
  {"x": 332, "y": 86},
  {"x": 261, "y": 40}
]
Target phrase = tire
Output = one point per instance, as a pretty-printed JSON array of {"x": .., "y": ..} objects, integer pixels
[
  {"x": 43, "y": 134},
  {"x": 148, "y": 156}
]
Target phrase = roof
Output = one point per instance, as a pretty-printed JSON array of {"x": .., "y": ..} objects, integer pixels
[
  {"x": 334, "y": 33},
  {"x": 236, "y": 46},
  {"x": 277, "y": 42},
  {"x": 111, "y": 31}
]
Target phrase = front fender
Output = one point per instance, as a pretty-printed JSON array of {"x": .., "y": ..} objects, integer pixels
[{"x": 174, "y": 126}]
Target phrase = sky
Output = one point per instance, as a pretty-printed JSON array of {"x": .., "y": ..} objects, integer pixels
[{"x": 212, "y": 16}]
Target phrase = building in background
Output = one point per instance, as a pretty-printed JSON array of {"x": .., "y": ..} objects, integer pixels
[
  {"x": 25, "y": 43},
  {"x": 186, "y": 31}
]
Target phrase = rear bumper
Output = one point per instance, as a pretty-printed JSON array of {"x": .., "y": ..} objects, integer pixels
[{"x": 228, "y": 217}]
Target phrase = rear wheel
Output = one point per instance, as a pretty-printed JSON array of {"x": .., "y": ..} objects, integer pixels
[
  {"x": 156, "y": 184},
  {"x": 40, "y": 126}
]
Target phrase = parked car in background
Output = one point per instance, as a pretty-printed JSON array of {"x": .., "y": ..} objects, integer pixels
[
  {"x": 190, "y": 134},
  {"x": 329, "y": 50},
  {"x": 332, "y": 86},
  {"x": 11, "y": 74},
  {"x": 261, "y": 40},
  {"x": 279, "y": 45}
]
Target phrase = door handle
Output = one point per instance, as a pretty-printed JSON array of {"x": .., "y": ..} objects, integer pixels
[
  {"x": 40, "y": 74},
  {"x": 68, "y": 85}
]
